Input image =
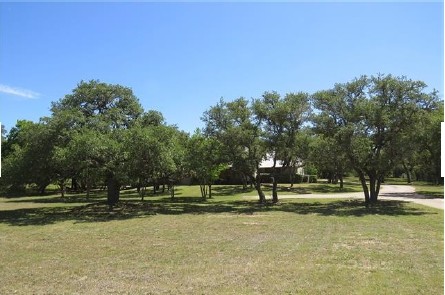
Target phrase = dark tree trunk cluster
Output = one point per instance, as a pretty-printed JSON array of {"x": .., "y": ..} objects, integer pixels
[{"x": 113, "y": 190}]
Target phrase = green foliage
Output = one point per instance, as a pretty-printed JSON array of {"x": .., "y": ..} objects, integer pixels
[
  {"x": 328, "y": 157},
  {"x": 99, "y": 132},
  {"x": 232, "y": 125},
  {"x": 28, "y": 154},
  {"x": 310, "y": 169},
  {"x": 97, "y": 116},
  {"x": 151, "y": 118},
  {"x": 153, "y": 152},
  {"x": 103, "y": 106},
  {"x": 204, "y": 159},
  {"x": 427, "y": 158},
  {"x": 95, "y": 135},
  {"x": 371, "y": 119},
  {"x": 281, "y": 120}
]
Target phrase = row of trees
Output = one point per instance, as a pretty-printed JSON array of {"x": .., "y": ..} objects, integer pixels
[{"x": 100, "y": 135}]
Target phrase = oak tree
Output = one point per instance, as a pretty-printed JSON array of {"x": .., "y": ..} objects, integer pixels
[{"x": 369, "y": 119}]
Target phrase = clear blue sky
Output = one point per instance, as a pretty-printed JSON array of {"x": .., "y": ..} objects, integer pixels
[{"x": 180, "y": 58}]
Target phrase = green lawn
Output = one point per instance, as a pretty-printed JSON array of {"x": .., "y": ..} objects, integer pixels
[{"x": 222, "y": 246}]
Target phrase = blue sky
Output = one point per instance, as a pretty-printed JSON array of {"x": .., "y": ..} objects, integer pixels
[{"x": 180, "y": 58}]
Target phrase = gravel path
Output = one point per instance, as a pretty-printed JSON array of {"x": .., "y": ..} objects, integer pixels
[
  {"x": 408, "y": 193},
  {"x": 387, "y": 192}
]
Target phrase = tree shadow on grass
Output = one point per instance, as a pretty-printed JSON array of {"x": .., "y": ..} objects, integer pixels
[
  {"x": 354, "y": 207},
  {"x": 430, "y": 195},
  {"x": 324, "y": 188},
  {"x": 95, "y": 196},
  {"x": 100, "y": 212},
  {"x": 228, "y": 190},
  {"x": 57, "y": 199},
  {"x": 313, "y": 189},
  {"x": 415, "y": 195}
]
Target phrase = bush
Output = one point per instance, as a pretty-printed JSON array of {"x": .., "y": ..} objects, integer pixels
[{"x": 310, "y": 170}]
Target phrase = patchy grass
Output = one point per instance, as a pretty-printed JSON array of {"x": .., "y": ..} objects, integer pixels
[
  {"x": 221, "y": 246},
  {"x": 427, "y": 189}
]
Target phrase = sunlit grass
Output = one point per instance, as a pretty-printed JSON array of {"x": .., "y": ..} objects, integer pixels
[{"x": 221, "y": 246}]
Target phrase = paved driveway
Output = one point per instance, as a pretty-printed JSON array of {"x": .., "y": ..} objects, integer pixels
[
  {"x": 387, "y": 192},
  {"x": 408, "y": 193}
]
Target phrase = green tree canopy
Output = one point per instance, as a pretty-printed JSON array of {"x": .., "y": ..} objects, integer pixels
[
  {"x": 102, "y": 111},
  {"x": 281, "y": 120},
  {"x": 369, "y": 118},
  {"x": 205, "y": 161},
  {"x": 28, "y": 155},
  {"x": 233, "y": 125}
]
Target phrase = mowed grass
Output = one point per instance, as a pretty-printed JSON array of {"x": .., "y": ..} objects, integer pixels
[{"x": 226, "y": 245}]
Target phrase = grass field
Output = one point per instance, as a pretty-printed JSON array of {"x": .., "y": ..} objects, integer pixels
[{"x": 222, "y": 246}]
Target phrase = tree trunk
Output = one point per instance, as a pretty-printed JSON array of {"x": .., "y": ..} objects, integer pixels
[
  {"x": 113, "y": 190},
  {"x": 257, "y": 181},
  {"x": 244, "y": 178},
  {"x": 274, "y": 190},
  {"x": 374, "y": 185},
  {"x": 203, "y": 191},
  {"x": 379, "y": 182},
  {"x": 341, "y": 182},
  {"x": 74, "y": 185},
  {"x": 172, "y": 191},
  {"x": 292, "y": 176},
  {"x": 274, "y": 181},
  {"x": 42, "y": 189},
  {"x": 372, "y": 189},
  {"x": 62, "y": 188},
  {"x": 210, "y": 191},
  {"x": 364, "y": 186},
  {"x": 408, "y": 172},
  {"x": 329, "y": 178},
  {"x": 142, "y": 192}
]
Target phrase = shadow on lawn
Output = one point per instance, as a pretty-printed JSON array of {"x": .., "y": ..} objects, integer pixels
[
  {"x": 99, "y": 211},
  {"x": 57, "y": 199},
  {"x": 80, "y": 198},
  {"x": 230, "y": 190}
]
